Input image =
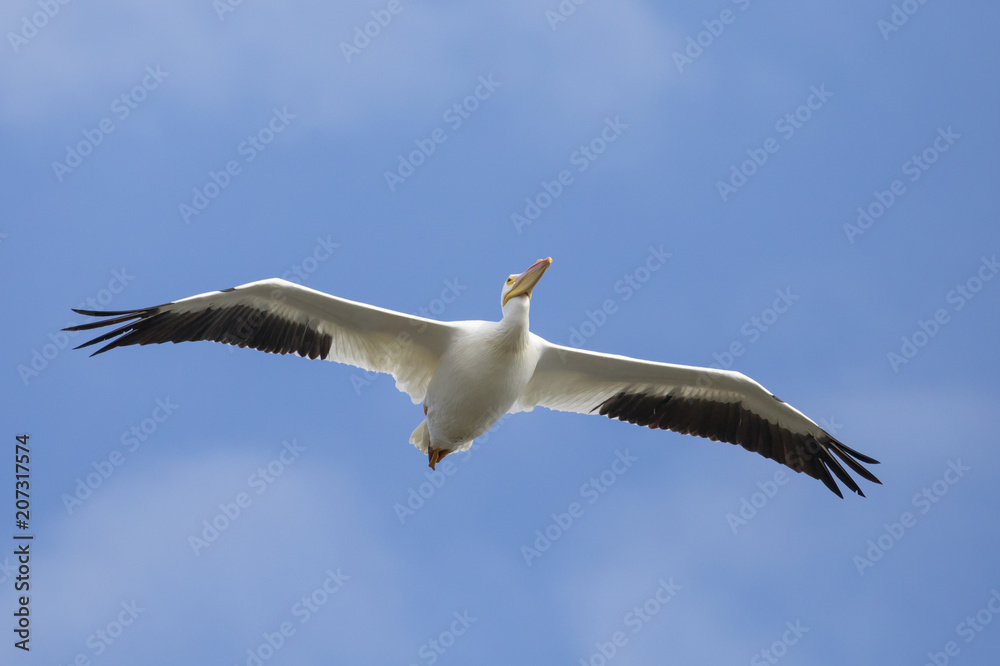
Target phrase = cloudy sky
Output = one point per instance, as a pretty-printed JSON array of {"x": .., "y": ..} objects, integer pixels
[{"x": 814, "y": 184}]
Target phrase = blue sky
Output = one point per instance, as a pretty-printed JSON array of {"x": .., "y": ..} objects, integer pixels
[{"x": 739, "y": 138}]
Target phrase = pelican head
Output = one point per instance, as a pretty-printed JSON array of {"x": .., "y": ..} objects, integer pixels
[{"x": 521, "y": 285}]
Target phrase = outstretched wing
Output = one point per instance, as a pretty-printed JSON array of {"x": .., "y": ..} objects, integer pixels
[
  {"x": 281, "y": 317},
  {"x": 717, "y": 404}
]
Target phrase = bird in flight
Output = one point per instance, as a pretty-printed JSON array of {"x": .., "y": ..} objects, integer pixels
[{"x": 468, "y": 374}]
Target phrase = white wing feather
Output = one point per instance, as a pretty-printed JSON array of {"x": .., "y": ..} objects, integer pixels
[
  {"x": 577, "y": 380},
  {"x": 282, "y": 317},
  {"x": 717, "y": 404}
]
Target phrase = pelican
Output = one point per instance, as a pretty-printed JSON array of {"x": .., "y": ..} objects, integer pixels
[{"x": 468, "y": 374}]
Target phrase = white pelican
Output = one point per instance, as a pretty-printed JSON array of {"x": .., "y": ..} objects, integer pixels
[{"x": 470, "y": 373}]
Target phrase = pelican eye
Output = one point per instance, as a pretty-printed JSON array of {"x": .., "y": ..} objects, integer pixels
[{"x": 510, "y": 280}]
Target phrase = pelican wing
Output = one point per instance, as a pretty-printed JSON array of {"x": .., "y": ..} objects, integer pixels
[
  {"x": 717, "y": 404},
  {"x": 281, "y": 317}
]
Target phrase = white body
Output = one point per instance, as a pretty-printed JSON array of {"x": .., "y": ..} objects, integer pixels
[{"x": 479, "y": 379}]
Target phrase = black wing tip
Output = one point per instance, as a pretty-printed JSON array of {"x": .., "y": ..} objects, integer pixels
[
  {"x": 130, "y": 318},
  {"x": 868, "y": 460},
  {"x": 109, "y": 317},
  {"x": 106, "y": 313},
  {"x": 232, "y": 323},
  {"x": 816, "y": 456},
  {"x": 834, "y": 449}
]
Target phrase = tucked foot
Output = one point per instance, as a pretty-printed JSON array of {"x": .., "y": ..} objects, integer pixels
[{"x": 434, "y": 456}]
